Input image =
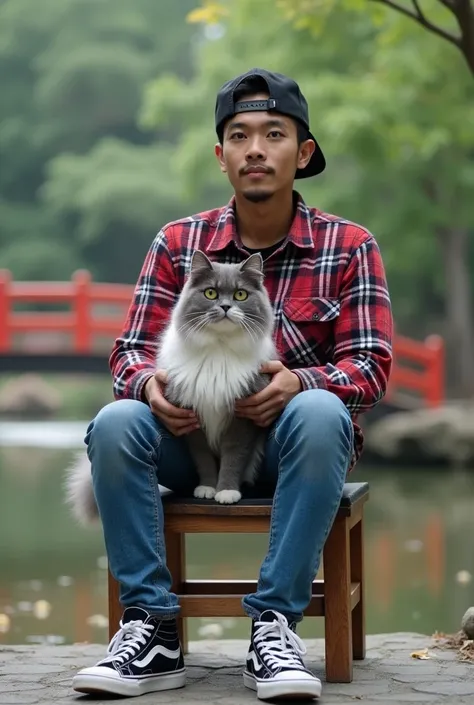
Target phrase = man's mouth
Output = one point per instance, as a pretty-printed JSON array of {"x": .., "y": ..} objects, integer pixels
[{"x": 256, "y": 170}]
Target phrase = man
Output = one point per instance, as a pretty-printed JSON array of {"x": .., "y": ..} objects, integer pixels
[{"x": 333, "y": 330}]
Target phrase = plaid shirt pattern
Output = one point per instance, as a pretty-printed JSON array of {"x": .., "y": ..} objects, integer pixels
[{"x": 333, "y": 320}]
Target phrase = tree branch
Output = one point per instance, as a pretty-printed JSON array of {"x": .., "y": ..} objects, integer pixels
[
  {"x": 449, "y": 4},
  {"x": 464, "y": 13},
  {"x": 419, "y": 17}
]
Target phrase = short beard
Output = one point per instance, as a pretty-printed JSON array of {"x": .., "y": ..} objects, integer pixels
[{"x": 257, "y": 196}]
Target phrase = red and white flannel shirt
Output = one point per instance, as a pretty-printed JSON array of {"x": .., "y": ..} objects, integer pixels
[{"x": 327, "y": 285}]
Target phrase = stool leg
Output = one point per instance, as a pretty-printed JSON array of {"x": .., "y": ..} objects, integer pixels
[
  {"x": 357, "y": 576},
  {"x": 176, "y": 562},
  {"x": 115, "y": 608},
  {"x": 337, "y": 601}
]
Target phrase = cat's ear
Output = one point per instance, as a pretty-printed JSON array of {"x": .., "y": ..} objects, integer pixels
[
  {"x": 254, "y": 262},
  {"x": 200, "y": 261}
]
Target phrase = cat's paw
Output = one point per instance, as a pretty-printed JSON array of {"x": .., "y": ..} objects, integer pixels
[
  {"x": 204, "y": 492},
  {"x": 228, "y": 496}
]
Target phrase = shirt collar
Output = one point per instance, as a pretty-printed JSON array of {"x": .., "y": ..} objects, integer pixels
[{"x": 300, "y": 233}]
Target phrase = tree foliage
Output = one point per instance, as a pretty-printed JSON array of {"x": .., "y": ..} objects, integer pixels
[
  {"x": 392, "y": 108},
  {"x": 77, "y": 171}
]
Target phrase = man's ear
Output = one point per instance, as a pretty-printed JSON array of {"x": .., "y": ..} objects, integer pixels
[
  {"x": 305, "y": 152},
  {"x": 219, "y": 152}
]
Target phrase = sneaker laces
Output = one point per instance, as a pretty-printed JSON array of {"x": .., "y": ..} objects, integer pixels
[
  {"x": 285, "y": 648},
  {"x": 127, "y": 641}
]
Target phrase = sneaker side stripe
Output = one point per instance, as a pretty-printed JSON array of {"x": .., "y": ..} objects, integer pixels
[
  {"x": 159, "y": 649},
  {"x": 257, "y": 666}
]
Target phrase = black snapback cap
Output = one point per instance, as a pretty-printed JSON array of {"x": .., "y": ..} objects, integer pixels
[{"x": 284, "y": 96}]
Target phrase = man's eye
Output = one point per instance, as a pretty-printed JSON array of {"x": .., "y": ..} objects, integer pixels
[
  {"x": 237, "y": 136},
  {"x": 276, "y": 133}
]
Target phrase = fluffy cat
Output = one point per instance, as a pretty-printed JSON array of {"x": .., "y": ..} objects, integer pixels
[{"x": 218, "y": 336}]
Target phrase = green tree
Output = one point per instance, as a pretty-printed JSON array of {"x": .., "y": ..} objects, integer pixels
[
  {"x": 452, "y": 20},
  {"x": 72, "y": 74},
  {"x": 390, "y": 105}
]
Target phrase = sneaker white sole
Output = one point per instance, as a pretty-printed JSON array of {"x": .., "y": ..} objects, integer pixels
[
  {"x": 293, "y": 689},
  {"x": 94, "y": 683}
]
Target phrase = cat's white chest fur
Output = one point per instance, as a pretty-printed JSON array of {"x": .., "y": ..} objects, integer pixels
[{"x": 211, "y": 377}]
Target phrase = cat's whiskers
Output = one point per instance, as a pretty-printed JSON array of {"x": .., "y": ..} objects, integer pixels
[
  {"x": 255, "y": 316},
  {"x": 246, "y": 325},
  {"x": 193, "y": 326},
  {"x": 255, "y": 325},
  {"x": 194, "y": 313}
]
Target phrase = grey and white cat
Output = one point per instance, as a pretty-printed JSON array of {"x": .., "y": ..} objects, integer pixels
[{"x": 219, "y": 334}]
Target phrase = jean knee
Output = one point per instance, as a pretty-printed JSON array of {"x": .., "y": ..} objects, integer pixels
[
  {"x": 118, "y": 424},
  {"x": 118, "y": 416},
  {"x": 322, "y": 415}
]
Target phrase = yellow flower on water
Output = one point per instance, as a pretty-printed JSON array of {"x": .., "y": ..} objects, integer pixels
[
  {"x": 4, "y": 623},
  {"x": 209, "y": 13},
  {"x": 42, "y": 609}
]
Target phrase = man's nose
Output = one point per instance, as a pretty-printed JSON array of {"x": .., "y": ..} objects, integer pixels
[{"x": 255, "y": 150}]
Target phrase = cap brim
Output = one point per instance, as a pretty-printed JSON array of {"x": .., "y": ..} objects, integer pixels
[{"x": 316, "y": 165}]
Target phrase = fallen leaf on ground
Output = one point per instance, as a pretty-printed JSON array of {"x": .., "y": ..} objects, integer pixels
[
  {"x": 458, "y": 642},
  {"x": 422, "y": 655}
]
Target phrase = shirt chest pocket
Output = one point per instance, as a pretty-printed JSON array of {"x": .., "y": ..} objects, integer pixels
[{"x": 306, "y": 334}]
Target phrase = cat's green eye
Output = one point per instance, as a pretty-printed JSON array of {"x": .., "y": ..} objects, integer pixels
[
  {"x": 210, "y": 293},
  {"x": 240, "y": 295}
]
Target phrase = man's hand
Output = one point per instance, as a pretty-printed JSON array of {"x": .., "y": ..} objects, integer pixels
[
  {"x": 177, "y": 421},
  {"x": 263, "y": 408}
]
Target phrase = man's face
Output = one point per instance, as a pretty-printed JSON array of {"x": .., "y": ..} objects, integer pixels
[{"x": 260, "y": 153}]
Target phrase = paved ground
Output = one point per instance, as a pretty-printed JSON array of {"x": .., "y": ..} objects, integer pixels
[{"x": 42, "y": 674}]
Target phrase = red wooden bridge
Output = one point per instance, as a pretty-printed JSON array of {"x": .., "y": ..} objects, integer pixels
[{"x": 78, "y": 320}]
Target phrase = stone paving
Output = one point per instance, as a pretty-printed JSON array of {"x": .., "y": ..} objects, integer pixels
[{"x": 42, "y": 674}]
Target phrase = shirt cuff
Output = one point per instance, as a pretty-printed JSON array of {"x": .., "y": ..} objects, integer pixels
[
  {"x": 136, "y": 385},
  {"x": 311, "y": 378}
]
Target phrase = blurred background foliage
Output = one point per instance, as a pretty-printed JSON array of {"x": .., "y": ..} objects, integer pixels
[{"x": 107, "y": 133}]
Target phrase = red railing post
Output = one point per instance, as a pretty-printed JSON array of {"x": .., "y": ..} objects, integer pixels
[
  {"x": 5, "y": 279},
  {"x": 436, "y": 386},
  {"x": 82, "y": 308}
]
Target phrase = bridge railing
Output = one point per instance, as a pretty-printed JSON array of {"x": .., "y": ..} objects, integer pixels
[
  {"x": 97, "y": 310},
  {"x": 81, "y": 295}
]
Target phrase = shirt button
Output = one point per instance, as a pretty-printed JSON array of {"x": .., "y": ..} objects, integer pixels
[{"x": 316, "y": 316}]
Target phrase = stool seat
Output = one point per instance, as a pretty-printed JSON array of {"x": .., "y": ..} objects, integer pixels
[{"x": 352, "y": 493}]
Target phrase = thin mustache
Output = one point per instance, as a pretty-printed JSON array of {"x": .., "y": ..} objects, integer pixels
[{"x": 247, "y": 169}]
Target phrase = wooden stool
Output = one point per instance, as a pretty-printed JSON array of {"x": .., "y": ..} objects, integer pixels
[{"x": 339, "y": 597}]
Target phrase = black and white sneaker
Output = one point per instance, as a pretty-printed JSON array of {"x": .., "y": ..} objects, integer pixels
[
  {"x": 144, "y": 656},
  {"x": 275, "y": 668}
]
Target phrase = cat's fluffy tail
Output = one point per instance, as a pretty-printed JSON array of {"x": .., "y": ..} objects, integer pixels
[{"x": 79, "y": 492}]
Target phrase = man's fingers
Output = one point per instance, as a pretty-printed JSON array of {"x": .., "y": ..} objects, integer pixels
[
  {"x": 255, "y": 412},
  {"x": 272, "y": 367},
  {"x": 256, "y": 399},
  {"x": 161, "y": 376},
  {"x": 161, "y": 405},
  {"x": 266, "y": 420},
  {"x": 184, "y": 431}
]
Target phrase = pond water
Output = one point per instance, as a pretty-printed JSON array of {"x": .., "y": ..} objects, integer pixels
[{"x": 53, "y": 575}]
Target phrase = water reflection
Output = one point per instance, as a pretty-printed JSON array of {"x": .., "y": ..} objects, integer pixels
[{"x": 53, "y": 586}]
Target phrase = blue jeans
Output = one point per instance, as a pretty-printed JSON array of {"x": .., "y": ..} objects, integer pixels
[{"x": 306, "y": 461}]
